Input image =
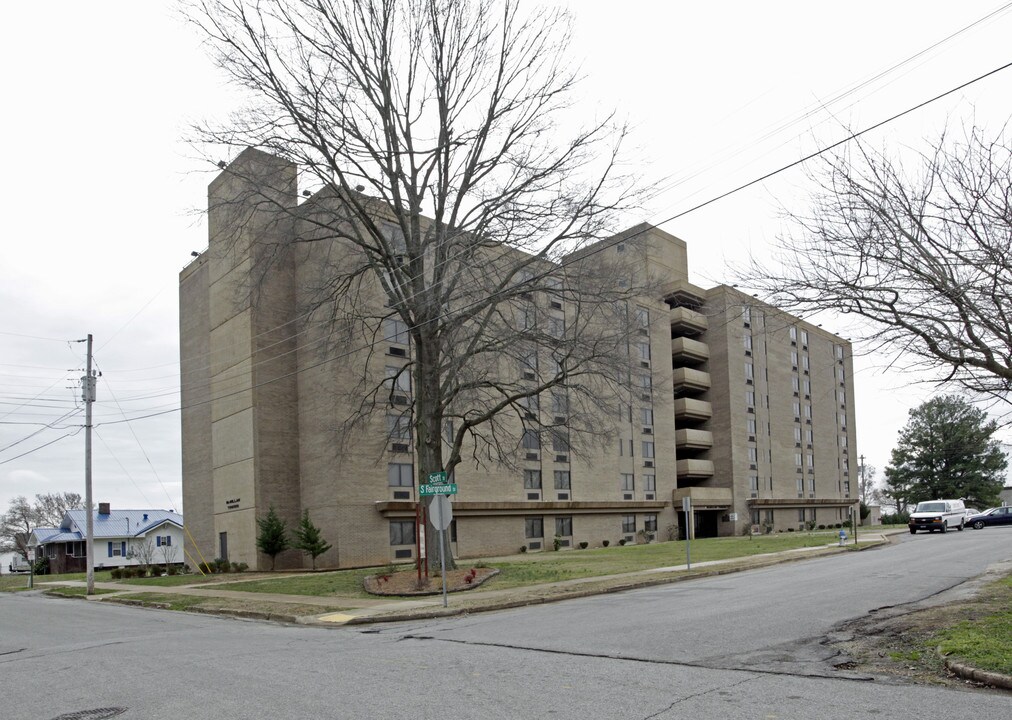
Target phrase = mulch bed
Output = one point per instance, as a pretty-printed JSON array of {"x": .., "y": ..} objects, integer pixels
[{"x": 406, "y": 582}]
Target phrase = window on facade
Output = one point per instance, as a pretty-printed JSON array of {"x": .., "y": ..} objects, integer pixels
[
  {"x": 398, "y": 380},
  {"x": 807, "y": 386},
  {"x": 797, "y": 409},
  {"x": 846, "y": 488},
  {"x": 747, "y": 341},
  {"x": 402, "y": 532},
  {"x": 804, "y": 337},
  {"x": 647, "y": 416},
  {"x": 797, "y": 459},
  {"x": 750, "y": 398},
  {"x": 840, "y": 374},
  {"x": 842, "y": 397},
  {"x": 531, "y": 405},
  {"x": 627, "y": 482},
  {"x": 804, "y": 363},
  {"x": 794, "y": 334},
  {"x": 797, "y": 434},
  {"x": 746, "y": 314},
  {"x": 808, "y": 411},
  {"x": 753, "y": 455},
  {"x": 395, "y": 330},
  {"x": 811, "y": 485},
  {"x": 749, "y": 371},
  {"x": 750, "y": 426},
  {"x": 399, "y": 427},
  {"x": 644, "y": 351},
  {"x": 560, "y": 441},
  {"x": 839, "y": 352},
  {"x": 534, "y": 527},
  {"x": 650, "y": 483},
  {"x": 556, "y": 326},
  {"x": 560, "y": 403},
  {"x": 531, "y": 441},
  {"x": 808, "y": 435},
  {"x": 645, "y": 383},
  {"x": 794, "y": 383},
  {"x": 801, "y": 515},
  {"x": 801, "y": 486},
  {"x": 529, "y": 364},
  {"x": 532, "y": 479},
  {"x": 650, "y": 522},
  {"x": 753, "y": 483},
  {"x": 562, "y": 481},
  {"x": 794, "y": 358},
  {"x": 400, "y": 475},
  {"x": 642, "y": 317},
  {"x": 448, "y": 434},
  {"x": 843, "y": 420},
  {"x": 163, "y": 540},
  {"x": 564, "y": 526},
  {"x": 628, "y": 524},
  {"x": 648, "y": 448},
  {"x": 810, "y": 460}
]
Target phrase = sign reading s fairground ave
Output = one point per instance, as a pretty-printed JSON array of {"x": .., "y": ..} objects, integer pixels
[{"x": 437, "y": 485}]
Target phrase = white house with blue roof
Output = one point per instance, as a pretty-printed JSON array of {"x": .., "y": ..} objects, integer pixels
[{"x": 122, "y": 538}]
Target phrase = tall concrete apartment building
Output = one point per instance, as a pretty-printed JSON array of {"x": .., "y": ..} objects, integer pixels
[{"x": 747, "y": 411}]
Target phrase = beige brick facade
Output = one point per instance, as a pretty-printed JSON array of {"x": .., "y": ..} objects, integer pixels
[{"x": 267, "y": 397}]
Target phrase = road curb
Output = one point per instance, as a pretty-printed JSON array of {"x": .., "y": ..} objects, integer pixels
[{"x": 968, "y": 672}]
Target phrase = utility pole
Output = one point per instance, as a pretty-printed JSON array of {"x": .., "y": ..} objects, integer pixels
[{"x": 88, "y": 395}]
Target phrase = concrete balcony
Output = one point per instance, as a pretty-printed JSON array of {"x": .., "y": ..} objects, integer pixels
[
  {"x": 686, "y": 350},
  {"x": 682, "y": 293},
  {"x": 685, "y": 321},
  {"x": 691, "y": 469},
  {"x": 686, "y": 380},
  {"x": 704, "y": 498},
  {"x": 692, "y": 410},
  {"x": 686, "y": 439}
]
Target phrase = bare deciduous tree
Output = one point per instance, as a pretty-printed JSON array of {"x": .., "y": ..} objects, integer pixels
[
  {"x": 431, "y": 133},
  {"x": 22, "y": 517},
  {"x": 923, "y": 255}
]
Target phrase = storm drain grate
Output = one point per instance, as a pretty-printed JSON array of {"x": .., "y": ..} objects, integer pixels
[{"x": 96, "y": 714}]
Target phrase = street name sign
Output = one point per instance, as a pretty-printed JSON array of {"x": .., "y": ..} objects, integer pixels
[{"x": 425, "y": 490}]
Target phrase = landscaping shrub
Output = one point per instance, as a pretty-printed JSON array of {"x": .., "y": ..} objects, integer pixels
[
  {"x": 173, "y": 570},
  {"x": 115, "y": 573},
  {"x": 583, "y": 544},
  {"x": 523, "y": 548},
  {"x": 242, "y": 567},
  {"x": 605, "y": 543},
  {"x": 156, "y": 570},
  {"x": 622, "y": 541},
  {"x": 206, "y": 568},
  {"x": 557, "y": 542},
  {"x": 822, "y": 527}
]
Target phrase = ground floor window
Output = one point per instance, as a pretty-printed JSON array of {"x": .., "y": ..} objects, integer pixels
[
  {"x": 564, "y": 526},
  {"x": 402, "y": 532},
  {"x": 400, "y": 475},
  {"x": 628, "y": 524},
  {"x": 534, "y": 527},
  {"x": 562, "y": 480},
  {"x": 650, "y": 523}
]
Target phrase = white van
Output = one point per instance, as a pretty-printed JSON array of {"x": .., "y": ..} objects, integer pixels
[{"x": 939, "y": 515}]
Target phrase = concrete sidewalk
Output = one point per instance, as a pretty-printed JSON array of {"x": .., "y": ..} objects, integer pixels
[{"x": 355, "y": 610}]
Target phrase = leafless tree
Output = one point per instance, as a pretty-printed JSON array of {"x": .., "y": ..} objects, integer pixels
[
  {"x": 922, "y": 255},
  {"x": 23, "y": 516},
  {"x": 447, "y": 200},
  {"x": 144, "y": 551},
  {"x": 169, "y": 555}
]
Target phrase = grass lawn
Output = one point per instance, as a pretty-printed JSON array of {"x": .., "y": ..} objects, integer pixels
[
  {"x": 173, "y": 580},
  {"x": 20, "y": 582},
  {"x": 197, "y": 603},
  {"x": 984, "y": 640},
  {"x": 534, "y": 568}
]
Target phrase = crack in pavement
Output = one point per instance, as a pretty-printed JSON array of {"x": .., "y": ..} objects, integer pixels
[
  {"x": 679, "y": 701},
  {"x": 650, "y": 661}
]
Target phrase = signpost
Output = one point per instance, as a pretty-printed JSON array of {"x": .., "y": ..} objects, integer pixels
[
  {"x": 441, "y": 515},
  {"x": 687, "y": 509}
]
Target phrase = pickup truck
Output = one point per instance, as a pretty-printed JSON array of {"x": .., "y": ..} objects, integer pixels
[{"x": 18, "y": 565}]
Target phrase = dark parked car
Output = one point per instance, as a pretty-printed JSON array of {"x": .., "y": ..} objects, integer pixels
[{"x": 994, "y": 516}]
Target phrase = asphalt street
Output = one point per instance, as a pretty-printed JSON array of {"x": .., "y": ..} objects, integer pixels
[{"x": 738, "y": 646}]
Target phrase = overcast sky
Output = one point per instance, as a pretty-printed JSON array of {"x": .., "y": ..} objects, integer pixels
[{"x": 100, "y": 187}]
